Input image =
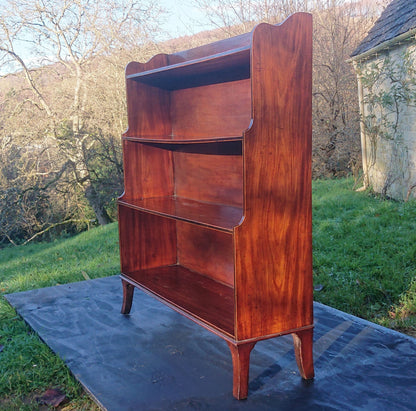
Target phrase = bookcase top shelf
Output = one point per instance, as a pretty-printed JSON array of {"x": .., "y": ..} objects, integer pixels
[{"x": 227, "y": 66}]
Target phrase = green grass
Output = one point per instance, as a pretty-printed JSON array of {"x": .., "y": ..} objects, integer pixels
[
  {"x": 27, "y": 366},
  {"x": 365, "y": 254},
  {"x": 364, "y": 257}
]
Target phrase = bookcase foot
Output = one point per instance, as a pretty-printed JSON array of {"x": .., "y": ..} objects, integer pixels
[
  {"x": 303, "y": 342},
  {"x": 241, "y": 362},
  {"x": 128, "y": 291}
]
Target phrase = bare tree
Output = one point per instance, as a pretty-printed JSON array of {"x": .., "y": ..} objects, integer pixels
[
  {"x": 338, "y": 27},
  {"x": 69, "y": 37},
  {"x": 239, "y": 16}
]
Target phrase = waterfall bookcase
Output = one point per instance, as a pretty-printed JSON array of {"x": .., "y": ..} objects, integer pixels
[{"x": 215, "y": 220}]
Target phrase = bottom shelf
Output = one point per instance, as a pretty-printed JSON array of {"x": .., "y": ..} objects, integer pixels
[{"x": 196, "y": 296}]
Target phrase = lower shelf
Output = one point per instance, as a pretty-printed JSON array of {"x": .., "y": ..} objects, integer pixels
[{"x": 196, "y": 296}]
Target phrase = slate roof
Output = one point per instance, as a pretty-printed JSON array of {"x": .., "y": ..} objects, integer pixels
[{"x": 397, "y": 18}]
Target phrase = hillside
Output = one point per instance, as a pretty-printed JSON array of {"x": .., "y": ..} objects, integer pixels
[{"x": 61, "y": 164}]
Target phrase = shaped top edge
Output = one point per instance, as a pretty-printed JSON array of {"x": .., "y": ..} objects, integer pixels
[{"x": 206, "y": 50}]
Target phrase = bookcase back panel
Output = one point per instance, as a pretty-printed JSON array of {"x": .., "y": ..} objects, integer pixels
[
  {"x": 211, "y": 178},
  {"x": 220, "y": 46},
  {"x": 206, "y": 251},
  {"x": 218, "y": 110},
  {"x": 156, "y": 236},
  {"x": 148, "y": 171}
]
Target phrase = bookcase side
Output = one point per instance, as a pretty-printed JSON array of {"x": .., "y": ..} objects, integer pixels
[
  {"x": 273, "y": 245},
  {"x": 148, "y": 108}
]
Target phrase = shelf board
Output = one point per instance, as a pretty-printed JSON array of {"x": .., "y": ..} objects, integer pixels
[
  {"x": 218, "y": 68},
  {"x": 182, "y": 140},
  {"x": 213, "y": 145},
  {"x": 200, "y": 298},
  {"x": 217, "y": 216}
]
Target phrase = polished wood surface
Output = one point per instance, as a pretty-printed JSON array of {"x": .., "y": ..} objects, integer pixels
[
  {"x": 198, "y": 296},
  {"x": 218, "y": 68},
  {"x": 195, "y": 112},
  {"x": 147, "y": 107},
  {"x": 303, "y": 342},
  {"x": 240, "y": 354},
  {"x": 218, "y": 216},
  {"x": 274, "y": 243},
  {"x": 128, "y": 293},
  {"x": 216, "y": 220},
  {"x": 206, "y": 251},
  {"x": 242, "y": 41},
  {"x": 146, "y": 240},
  {"x": 199, "y": 144},
  {"x": 212, "y": 179},
  {"x": 149, "y": 172}
]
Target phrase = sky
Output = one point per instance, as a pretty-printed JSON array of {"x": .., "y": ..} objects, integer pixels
[{"x": 185, "y": 18}]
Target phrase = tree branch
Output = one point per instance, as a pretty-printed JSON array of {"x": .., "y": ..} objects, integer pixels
[{"x": 72, "y": 220}]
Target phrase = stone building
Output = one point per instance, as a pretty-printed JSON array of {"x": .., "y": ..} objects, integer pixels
[{"x": 385, "y": 63}]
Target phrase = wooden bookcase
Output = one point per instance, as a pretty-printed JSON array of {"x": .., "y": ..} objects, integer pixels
[{"x": 215, "y": 220}]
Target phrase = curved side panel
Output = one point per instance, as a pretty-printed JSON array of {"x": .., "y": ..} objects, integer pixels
[
  {"x": 147, "y": 107},
  {"x": 148, "y": 172},
  {"x": 274, "y": 242}
]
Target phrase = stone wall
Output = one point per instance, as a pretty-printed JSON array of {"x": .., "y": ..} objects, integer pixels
[{"x": 387, "y": 84}]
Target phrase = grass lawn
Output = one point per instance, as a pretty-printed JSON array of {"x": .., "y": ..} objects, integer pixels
[
  {"x": 27, "y": 366},
  {"x": 365, "y": 254},
  {"x": 364, "y": 264}
]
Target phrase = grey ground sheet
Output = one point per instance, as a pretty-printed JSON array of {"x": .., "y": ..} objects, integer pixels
[{"x": 155, "y": 359}]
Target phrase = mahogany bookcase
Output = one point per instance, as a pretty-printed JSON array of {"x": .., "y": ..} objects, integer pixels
[{"x": 215, "y": 219}]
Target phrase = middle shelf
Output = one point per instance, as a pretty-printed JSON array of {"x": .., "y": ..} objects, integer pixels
[
  {"x": 211, "y": 145},
  {"x": 218, "y": 216}
]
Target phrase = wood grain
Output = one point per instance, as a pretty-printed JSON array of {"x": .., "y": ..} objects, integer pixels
[
  {"x": 221, "y": 46},
  {"x": 240, "y": 354},
  {"x": 148, "y": 172},
  {"x": 209, "y": 178},
  {"x": 196, "y": 296},
  {"x": 222, "y": 110},
  {"x": 274, "y": 243},
  {"x": 218, "y": 68},
  {"x": 206, "y": 251},
  {"x": 216, "y": 219},
  {"x": 303, "y": 342},
  {"x": 146, "y": 240},
  {"x": 217, "y": 216}
]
